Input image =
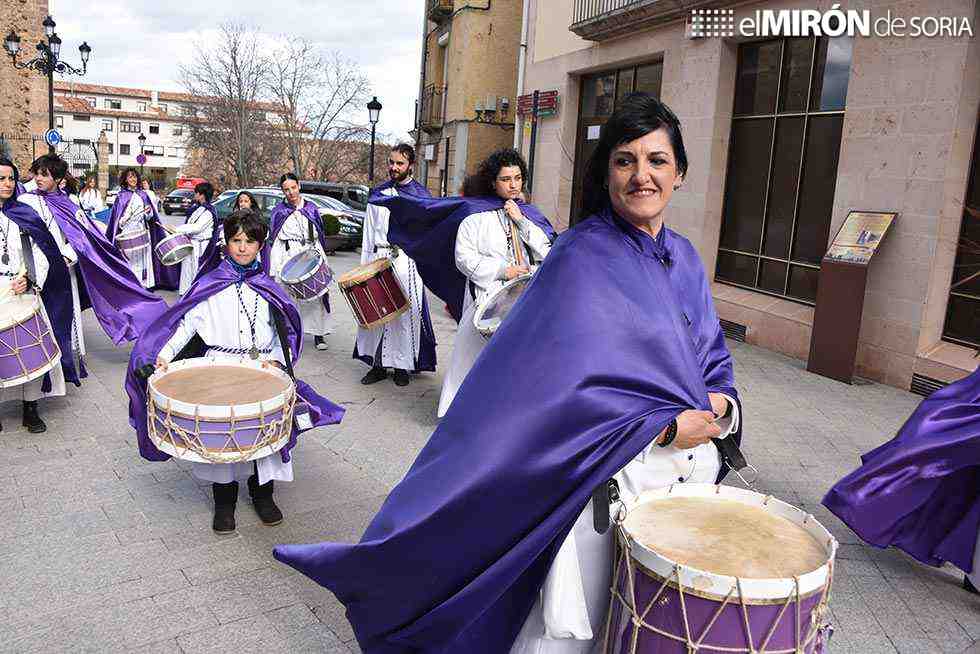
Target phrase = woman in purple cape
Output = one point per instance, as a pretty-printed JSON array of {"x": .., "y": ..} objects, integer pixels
[
  {"x": 612, "y": 363},
  {"x": 233, "y": 312},
  {"x": 920, "y": 491}
]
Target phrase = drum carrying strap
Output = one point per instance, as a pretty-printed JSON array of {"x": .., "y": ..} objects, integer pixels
[
  {"x": 281, "y": 333},
  {"x": 604, "y": 495}
]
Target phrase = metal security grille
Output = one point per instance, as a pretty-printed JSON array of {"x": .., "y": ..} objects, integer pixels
[
  {"x": 733, "y": 330},
  {"x": 924, "y": 386}
]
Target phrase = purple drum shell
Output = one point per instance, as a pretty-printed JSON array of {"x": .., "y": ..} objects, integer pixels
[
  {"x": 215, "y": 433},
  {"x": 312, "y": 287},
  {"x": 728, "y": 631},
  {"x": 134, "y": 242},
  {"x": 27, "y": 349},
  {"x": 168, "y": 245}
]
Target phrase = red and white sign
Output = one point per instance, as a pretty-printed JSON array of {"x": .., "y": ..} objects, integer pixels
[{"x": 547, "y": 104}]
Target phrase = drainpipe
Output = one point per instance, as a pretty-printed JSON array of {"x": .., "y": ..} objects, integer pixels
[{"x": 521, "y": 55}]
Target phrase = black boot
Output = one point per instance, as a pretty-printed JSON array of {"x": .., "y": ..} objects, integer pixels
[
  {"x": 32, "y": 420},
  {"x": 262, "y": 501},
  {"x": 374, "y": 375},
  {"x": 225, "y": 498},
  {"x": 319, "y": 343},
  {"x": 969, "y": 587},
  {"x": 401, "y": 377}
]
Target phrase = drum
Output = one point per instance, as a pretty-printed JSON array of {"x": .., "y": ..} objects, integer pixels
[
  {"x": 709, "y": 568},
  {"x": 134, "y": 241},
  {"x": 306, "y": 275},
  {"x": 374, "y": 293},
  {"x": 174, "y": 249},
  {"x": 495, "y": 307},
  {"x": 211, "y": 411},
  {"x": 28, "y": 348}
]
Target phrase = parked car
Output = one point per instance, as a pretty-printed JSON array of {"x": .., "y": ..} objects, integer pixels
[
  {"x": 178, "y": 201},
  {"x": 354, "y": 196}
]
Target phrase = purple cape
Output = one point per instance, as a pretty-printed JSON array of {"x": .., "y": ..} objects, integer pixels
[
  {"x": 603, "y": 349},
  {"x": 279, "y": 214},
  {"x": 56, "y": 293},
  {"x": 425, "y": 228},
  {"x": 322, "y": 411},
  {"x": 211, "y": 256},
  {"x": 426, "y": 360},
  {"x": 167, "y": 277},
  {"x": 123, "y": 307},
  {"x": 920, "y": 491}
]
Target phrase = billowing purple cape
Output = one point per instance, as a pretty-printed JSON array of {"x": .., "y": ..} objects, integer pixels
[
  {"x": 426, "y": 228},
  {"x": 123, "y": 307},
  {"x": 167, "y": 277},
  {"x": 211, "y": 256},
  {"x": 56, "y": 293},
  {"x": 279, "y": 214},
  {"x": 426, "y": 360},
  {"x": 322, "y": 411},
  {"x": 920, "y": 491},
  {"x": 606, "y": 346}
]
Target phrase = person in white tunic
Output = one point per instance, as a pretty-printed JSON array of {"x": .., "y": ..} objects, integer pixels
[
  {"x": 129, "y": 217},
  {"x": 13, "y": 282},
  {"x": 147, "y": 187},
  {"x": 295, "y": 225},
  {"x": 406, "y": 343},
  {"x": 199, "y": 226},
  {"x": 486, "y": 253},
  {"x": 91, "y": 199}
]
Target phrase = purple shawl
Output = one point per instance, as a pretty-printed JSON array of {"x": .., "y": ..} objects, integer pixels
[
  {"x": 454, "y": 560},
  {"x": 278, "y": 218},
  {"x": 920, "y": 491},
  {"x": 167, "y": 277},
  {"x": 123, "y": 307},
  {"x": 322, "y": 411}
]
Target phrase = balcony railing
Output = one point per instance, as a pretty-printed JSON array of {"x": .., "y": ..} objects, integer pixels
[
  {"x": 440, "y": 9},
  {"x": 430, "y": 114},
  {"x": 598, "y": 20}
]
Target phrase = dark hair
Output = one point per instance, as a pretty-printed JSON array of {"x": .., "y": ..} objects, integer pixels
[
  {"x": 248, "y": 222},
  {"x": 405, "y": 150},
  {"x": 51, "y": 164},
  {"x": 71, "y": 184},
  {"x": 486, "y": 173},
  {"x": 472, "y": 186},
  {"x": 286, "y": 176},
  {"x": 205, "y": 189},
  {"x": 255, "y": 204},
  {"x": 4, "y": 161},
  {"x": 638, "y": 115},
  {"x": 125, "y": 176}
]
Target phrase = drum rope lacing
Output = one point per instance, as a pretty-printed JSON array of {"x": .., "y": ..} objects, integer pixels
[
  {"x": 41, "y": 329},
  {"x": 818, "y": 630}
]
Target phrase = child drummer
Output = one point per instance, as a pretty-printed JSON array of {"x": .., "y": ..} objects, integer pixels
[{"x": 234, "y": 312}]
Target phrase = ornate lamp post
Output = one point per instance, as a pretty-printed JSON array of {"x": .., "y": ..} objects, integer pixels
[{"x": 374, "y": 111}]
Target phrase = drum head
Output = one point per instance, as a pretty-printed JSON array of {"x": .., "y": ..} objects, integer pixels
[
  {"x": 301, "y": 265},
  {"x": 219, "y": 385},
  {"x": 496, "y": 307}
]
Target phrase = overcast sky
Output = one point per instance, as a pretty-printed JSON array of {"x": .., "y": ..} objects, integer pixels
[{"x": 140, "y": 43}]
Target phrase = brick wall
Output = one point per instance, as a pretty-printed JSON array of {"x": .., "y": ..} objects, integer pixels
[{"x": 23, "y": 102}]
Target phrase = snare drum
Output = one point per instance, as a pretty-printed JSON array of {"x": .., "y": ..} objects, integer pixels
[
  {"x": 374, "y": 293},
  {"x": 174, "y": 249},
  {"x": 28, "y": 348},
  {"x": 306, "y": 275},
  {"x": 495, "y": 308},
  {"x": 211, "y": 411},
  {"x": 133, "y": 241},
  {"x": 709, "y": 568}
]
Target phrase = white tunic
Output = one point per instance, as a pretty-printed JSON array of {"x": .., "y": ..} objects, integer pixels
[
  {"x": 11, "y": 244},
  {"x": 400, "y": 339},
  {"x": 225, "y": 321},
  {"x": 199, "y": 226},
  {"x": 293, "y": 236},
  {"x": 570, "y": 613},
  {"x": 91, "y": 200},
  {"x": 483, "y": 254},
  {"x": 130, "y": 222}
]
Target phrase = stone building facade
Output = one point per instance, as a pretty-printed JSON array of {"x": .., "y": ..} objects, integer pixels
[{"x": 24, "y": 100}]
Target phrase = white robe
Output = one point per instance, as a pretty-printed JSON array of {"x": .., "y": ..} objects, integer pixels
[
  {"x": 221, "y": 321},
  {"x": 91, "y": 200},
  {"x": 10, "y": 231},
  {"x": 295, "y": 235},
  {"x": 199, "y": 226},
  {"x": 482, "y": 255},
  {"x": 130, "y": 222},
  {"x": 401, "y": 338},
  {"x": 570, "y": 614}
]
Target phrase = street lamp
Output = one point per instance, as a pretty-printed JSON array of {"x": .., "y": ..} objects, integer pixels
[
  {"x": 142, "y": 140},
  {"x": 374, "y": 111},
  {"x": 47, "y": 62}
]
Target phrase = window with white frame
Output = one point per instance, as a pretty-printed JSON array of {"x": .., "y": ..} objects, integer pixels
[
  {"x": 106, "y": 125},
  {"x": 178, "y": 130},
  {"x": 113, "y": 104},
  {"x": 140, "y": 106},
  {"x": 92, "y": 101},
  {"x": 59, "y": 121},
  {"x": 129, "y": 126},
  {"x": 154, "y": 128}
]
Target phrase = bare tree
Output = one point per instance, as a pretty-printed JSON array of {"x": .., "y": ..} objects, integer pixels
[
  {"x": 226, "y": 82},
  {"x": 318, "y": 96}
]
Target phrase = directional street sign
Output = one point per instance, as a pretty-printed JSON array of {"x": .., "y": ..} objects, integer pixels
[{"x": 52, "y": 137}]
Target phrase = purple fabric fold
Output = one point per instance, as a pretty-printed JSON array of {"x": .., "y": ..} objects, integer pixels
[
  {"x": 455, "y": 558},
  {"x": 123, "y": 307},
  {"x": 322, "y": 411},
  {"x": 166, "y": 277},
  {"x": 920, "y": 491}
]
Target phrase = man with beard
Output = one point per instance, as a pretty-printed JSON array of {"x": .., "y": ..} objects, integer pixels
[{"x": 408, "y": 342}]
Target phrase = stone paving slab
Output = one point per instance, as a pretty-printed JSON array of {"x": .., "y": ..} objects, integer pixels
[{"x": 101, "y": 551}]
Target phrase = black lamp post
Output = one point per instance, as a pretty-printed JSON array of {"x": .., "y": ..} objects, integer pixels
[
  {"x": 47, "y": 61},
  {"x": 374, "y": 110},
  {"x": 142, "y": 140}
]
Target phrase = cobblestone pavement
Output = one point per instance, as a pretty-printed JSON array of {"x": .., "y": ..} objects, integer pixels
[{"x": 101, "y": 551}]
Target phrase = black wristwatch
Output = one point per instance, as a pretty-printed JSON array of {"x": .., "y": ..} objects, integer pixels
[{"x": 670, "y": 435}]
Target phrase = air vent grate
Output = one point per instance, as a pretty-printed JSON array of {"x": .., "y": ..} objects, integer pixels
[
  {"x": 922, "y": 385},
  {"x": 733, "y": 330}
]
